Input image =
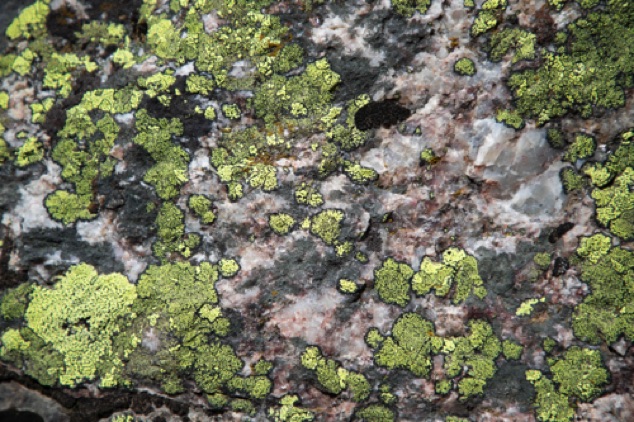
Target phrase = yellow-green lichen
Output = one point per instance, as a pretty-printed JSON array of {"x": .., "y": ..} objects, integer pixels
[
  {"x": 526, "y": 307},
  {"x": 29, "y": 153},
  {"x": 477, "y": 352},
  {"x": 465, "y": 67},
  {"x": 201, "y": 206},
  {"x": 82, "y": 319},
  {"x": 347, "y": 286},
  {"x": 391, "y": 281},
  {"x": 581, "y": 148},
  {"x": 14, "y": 301},
  {"x": 308, "y": 195},
  {"x": 457, "y": 269},
  {"x": 522, "y": 41},
  {"x": 281, "y": 223},
  {"x": 376, "y": 413},
  {"x": 608, "y": 311},
  {"x": 408, "y": 7},
  {"x": 171, "y": 233},
  {"x": 31, "y": 22},
  {"x": 289, "y": 411},
  {"x": 511, "y": 350},
  {"x": 332, "y": 377},
  {"x": 327, "y": 225},
  {"x": 409, "y": 346}
]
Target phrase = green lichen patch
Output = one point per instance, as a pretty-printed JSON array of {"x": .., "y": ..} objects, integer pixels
[
  {"x": 332, "y": 377},
  {"x": 607, "y": 312},
  {"x": 348, "y": 287},
  {"x": 590, "y": 72},
  {"x": 392, "y": 282},
  {"x": 289, "y": 411},
  {"x": 457, "y": 269},
  {"x": 522, "y": 41},
  {"x": 477, "y": 351},
  {"x": 615, "y": 205},
  {"x": 410, "y": 345},
  {"x": 464, "y": 67},
  {"x": 170, "y": 171},
  {"x": 281, "y": 223},
  {"x": 571, "y": 180},
  {"x": 550, "y": 405},
  {"x": 408, "y": 7},
  {"x": 326, "y": 225},
  {"x": 14, "y": 302},
  {"x": 171, "y": 233},
  {"x": 31, "y": 152},
  {"x": 202, "y": 207},
  {"x": 581, "y": 148},
  {"x": 511, "y": 350},
  {"x": 81, "y": 322},
  {"x": 376, "y": 413},
  {"x": 308, "y": 195},
  {"x": 580, "y": 373},
  {"x": 31, "y": 22}
]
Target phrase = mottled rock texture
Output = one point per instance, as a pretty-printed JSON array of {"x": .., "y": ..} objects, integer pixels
[{"x": 406, "y": 210}]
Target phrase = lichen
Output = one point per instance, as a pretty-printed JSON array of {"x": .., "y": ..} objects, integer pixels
[
  {"x": 392, "y": 282},
  {"x": 465, "y": 67},
  {"x": 281, "y": 223}
]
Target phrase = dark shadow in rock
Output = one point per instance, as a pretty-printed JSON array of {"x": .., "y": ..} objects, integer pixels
[{"x": 14, "y": 415}]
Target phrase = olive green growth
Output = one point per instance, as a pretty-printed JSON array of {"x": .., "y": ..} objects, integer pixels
[
  {"x": 31, "y": 22},
  {"x": 408, "y": 7},
  {"x": 81, "y": 321},
  {"x": 346, "y": 286},
  {"x": 542, "y": 260},
  {"x": 332, "y": 377},
  {"x": 457, "y": 269},
  {"x": 281, "y": 223},
  {"x": 201, "y": 206},
  {"x": 170, "y": 171},
  {"x": 511, "y": 350},
  {"x": 308, "y": 195},
  {"x": 410, "y": 345},
  {"x": 521, "y": 41},
  {"x": 581, "y": 148},
  {"x": 228, "y": 267},
  {"x": 587, "y": 74},
  {"x": 32, "y": 151},
  {"x": 359, "y": 174},
  {"x": 171, "y": 233},
  {"x": 326, "y": 225},
  {"x": 511, "y": 118},
  {"x": 464, "y": 67},
  {"x": 615, "y": 205},
  {"x": 231, "y": 111},
  {"x": 571, "y": 179},
  {"x": 580, "y": 373},
  {"x": 289, "y": 411},
  {"x": 551, "y": 406},
  {"x": 608, "y": 311},
  {"x": 526, "y": 307},
  {"x": 549, "y": 344},
  {"x": 376, "y": 413},
  {"x": 443, "y": 386},
  {"x": 477, "y": 351},
  {"x": 68, "y": 207},
  {"x": 392, "y": 282},
  {"x": 556, "y": 138},
  {"x": 347, "y": 135},
  {"x": 14, "y": 302}
]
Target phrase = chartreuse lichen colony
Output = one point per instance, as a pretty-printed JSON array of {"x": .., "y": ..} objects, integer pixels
[{"x": 86, "y": 327}]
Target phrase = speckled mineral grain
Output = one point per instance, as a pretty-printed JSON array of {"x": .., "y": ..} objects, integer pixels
[{"x": 317, "y": 210}]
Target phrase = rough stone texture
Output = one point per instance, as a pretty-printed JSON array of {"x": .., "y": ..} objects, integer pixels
[{"x": 443, "y": 175}]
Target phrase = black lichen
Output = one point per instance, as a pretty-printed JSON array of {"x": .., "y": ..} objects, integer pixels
[{"x": 384, "y": 113}]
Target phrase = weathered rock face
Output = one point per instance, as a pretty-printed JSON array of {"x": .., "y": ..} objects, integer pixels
[{"x": 316, "y": 210}]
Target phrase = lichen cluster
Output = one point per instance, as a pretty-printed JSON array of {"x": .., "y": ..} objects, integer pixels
[{"x": 256, "y": 97}]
